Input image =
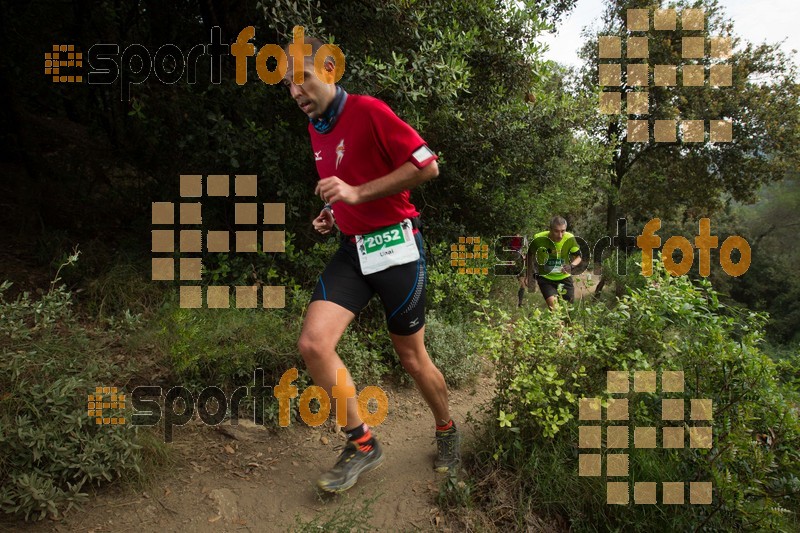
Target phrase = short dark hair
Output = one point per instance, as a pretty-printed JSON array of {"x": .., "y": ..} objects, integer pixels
[
  {"x": 557, "y": 221},
  {"x": 315, "y": 43}
]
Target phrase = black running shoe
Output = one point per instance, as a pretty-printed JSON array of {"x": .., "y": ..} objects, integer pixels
[
  {"x": 448, "y": 444},
  {"x": 351, "y": 463}
]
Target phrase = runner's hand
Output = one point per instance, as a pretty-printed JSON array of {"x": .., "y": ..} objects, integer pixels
[
  {"x": 324, "y": 222},
  {"x": 333, "y": 190}
]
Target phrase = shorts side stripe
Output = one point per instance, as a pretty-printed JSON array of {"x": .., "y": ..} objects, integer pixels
[
  {"x": 324, "y": 294},
  {"x": 413, "y": 288}
]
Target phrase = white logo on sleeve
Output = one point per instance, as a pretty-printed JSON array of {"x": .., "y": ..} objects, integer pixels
[
  {"x": 317, "y": 156},
  {"x": 422, "y": 154},
  {"x": 339, "y": 152}
]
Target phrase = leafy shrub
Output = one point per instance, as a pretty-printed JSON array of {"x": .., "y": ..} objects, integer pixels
[
  {"x": 50, "y": 451},
  {"x": 544, "y": 364},
  {"x": 453, "y": 350}
]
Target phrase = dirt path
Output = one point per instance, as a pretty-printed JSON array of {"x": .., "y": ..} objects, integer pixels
[{"x": 265, "y": 479}]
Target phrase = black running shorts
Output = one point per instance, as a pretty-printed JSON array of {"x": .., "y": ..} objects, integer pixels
[
  {"x": 550, "y": 288},
  {"x": 401, "y": 288}
]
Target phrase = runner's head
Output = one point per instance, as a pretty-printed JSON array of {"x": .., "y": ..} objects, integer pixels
[
  {"x": 313, "y": 96},
  {"x": 558, "y": 226}
]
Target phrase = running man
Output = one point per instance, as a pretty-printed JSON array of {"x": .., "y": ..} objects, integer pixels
[
  {"x": 556, "y": 254},
  {"x": 368, "y": 159}
]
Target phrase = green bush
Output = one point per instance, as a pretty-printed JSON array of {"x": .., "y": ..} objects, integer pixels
[
  {"x": 546, "y": 362},
  {"x": 50, "y": 450},
  {"x": 453, "y": 350}
]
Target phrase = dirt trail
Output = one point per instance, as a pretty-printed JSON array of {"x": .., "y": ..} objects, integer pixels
[{"x": 265, "y": 479}]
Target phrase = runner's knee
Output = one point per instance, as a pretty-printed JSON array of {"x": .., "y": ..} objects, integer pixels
[{"x": 312, "y": 348}]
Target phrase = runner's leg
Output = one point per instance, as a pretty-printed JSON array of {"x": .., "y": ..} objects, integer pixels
[
  {"x": 415, "y": 359},
  {"x": 324, "y": 325}
]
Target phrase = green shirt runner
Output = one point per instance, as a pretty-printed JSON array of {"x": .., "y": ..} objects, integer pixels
[{"x": 552, "y": 256}]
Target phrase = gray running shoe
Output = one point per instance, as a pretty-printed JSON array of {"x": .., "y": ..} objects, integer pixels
[
  {"x": 351, "y": 463},
  {"x": 448, "y": 444}
]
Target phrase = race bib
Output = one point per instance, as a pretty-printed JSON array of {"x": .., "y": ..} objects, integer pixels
[
  {"x": 553, "y": 266},
  {"x": 387, "y": 247}
]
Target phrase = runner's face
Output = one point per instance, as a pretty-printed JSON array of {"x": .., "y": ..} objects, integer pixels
[
  {"x": 313, "y": 96},
  {"x": 557, "y": 233}
]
